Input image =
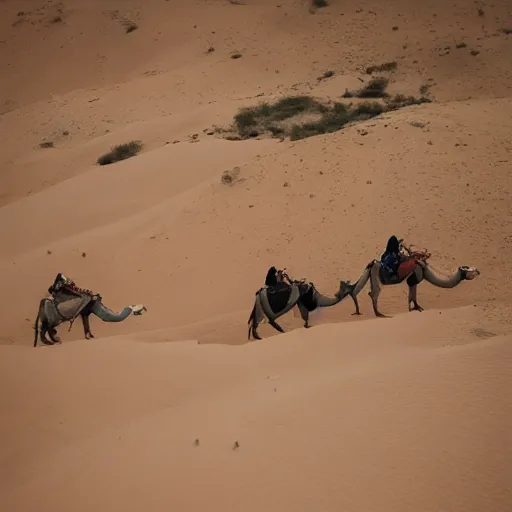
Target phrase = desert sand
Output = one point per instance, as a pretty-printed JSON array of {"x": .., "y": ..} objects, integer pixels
[{"x": 175, "y": 409}]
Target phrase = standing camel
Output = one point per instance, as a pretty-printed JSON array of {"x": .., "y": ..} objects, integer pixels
[
  {"x": 413, "y": 269},
  {"x": 66, "y": 303},
  {"x": 273, "y": 302}
]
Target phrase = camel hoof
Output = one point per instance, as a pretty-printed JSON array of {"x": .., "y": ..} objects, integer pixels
[
  {"x": 47, "y": 342},
  {"x": 89, "y": 336},
  {"x": 356, "y": 313}
]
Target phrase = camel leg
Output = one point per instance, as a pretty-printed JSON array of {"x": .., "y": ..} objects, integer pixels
[
  {"x": 42, "y": 333},
  {"x": 304, "y": 313},
  {"x": 375, "y": 290},
  {"x": 255, "y": 319},
  {"x": 52, "y": 332},
  {"x": 413, "y": 282},
  {"x": 275, "y": 325},
  {"x": 87, "y": 328},
  {"x": 356, "y": 304},
  {"x": 254, "y": 331}
]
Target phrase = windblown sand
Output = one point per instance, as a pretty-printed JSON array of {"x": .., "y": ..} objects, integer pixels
[{"x": 175, "y": 410}]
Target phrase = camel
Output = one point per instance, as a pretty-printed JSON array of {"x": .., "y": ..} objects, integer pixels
[
  {"x": 66, "y": 303},
  {"x": 273, "y": 302},
  {"x": 413, "y": 269}
]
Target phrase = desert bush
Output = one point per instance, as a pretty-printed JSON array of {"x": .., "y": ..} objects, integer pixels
[
  {"x": 121, "y": 152},
  {"x": 375, "y": 88},
  {"x": 130, "y": 26},
  {"x": 281, "y": 119},
  {"x": 400, "y": 101},
  {"x": 386, "y": 66},
  {"x": 251, "y": 120},
  {"x": 336, "y": 118}
]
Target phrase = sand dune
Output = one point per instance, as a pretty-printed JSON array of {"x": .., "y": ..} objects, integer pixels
[
  {"x": 357, "y": 413},
  {"x": 353, "y": 420}
]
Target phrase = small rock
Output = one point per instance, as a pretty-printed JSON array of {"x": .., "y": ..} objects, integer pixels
[
  {"x": 236, "y": 445},
  {"x": 369, "y": 182}
]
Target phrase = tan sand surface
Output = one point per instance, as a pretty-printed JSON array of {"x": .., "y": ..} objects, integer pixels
[{"x": 357, "y": 413}]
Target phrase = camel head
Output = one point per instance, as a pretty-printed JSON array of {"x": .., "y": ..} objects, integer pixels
[{"x": 469, "y": 273}]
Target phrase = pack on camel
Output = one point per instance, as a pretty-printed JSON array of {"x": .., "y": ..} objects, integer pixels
[
  {"x": 399, "y": 263},
  {"x": 281, "y": 294},
  {"x": 66, "y": 303}
]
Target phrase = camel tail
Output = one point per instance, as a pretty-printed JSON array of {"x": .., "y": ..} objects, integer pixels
[
  {"x": 250, "y": 322},
  {"x": 36, "y": 325}
]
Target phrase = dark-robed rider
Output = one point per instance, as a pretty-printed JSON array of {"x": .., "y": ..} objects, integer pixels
[
  {"x": 391, "y": 258},
  {"x": 276, "y": 278}
]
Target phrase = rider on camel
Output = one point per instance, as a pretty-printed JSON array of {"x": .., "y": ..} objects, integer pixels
[
  {"x": 277, "y": 279},
  {"x": 392, "y": 256}
]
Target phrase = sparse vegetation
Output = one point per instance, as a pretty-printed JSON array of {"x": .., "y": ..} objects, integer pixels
[
  {"x": 461, "y": 45},
  {"x": 250, "y": 121},
  {"x": 229, "y": 177},
  {"x": 299, "y": 117},
  {"x": 319, "y": 3},
  {"x": 325, "y": 75},
  {"x": 47, "y": 144},
  {"x": 121, "y": 152},
  {"x": 506, "y": 31},
  {"x": 375, "y": 88},
  {"x": 336, "y": 118},
  {"x": 386, "y": 66},
  {"x": 56, "y": 19},
  {"x": 236, "y": 55},
  {"x": 130, "y": 26},
  {"x": 401, "y": 100},
  {"x": 424, "y": 89}
]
